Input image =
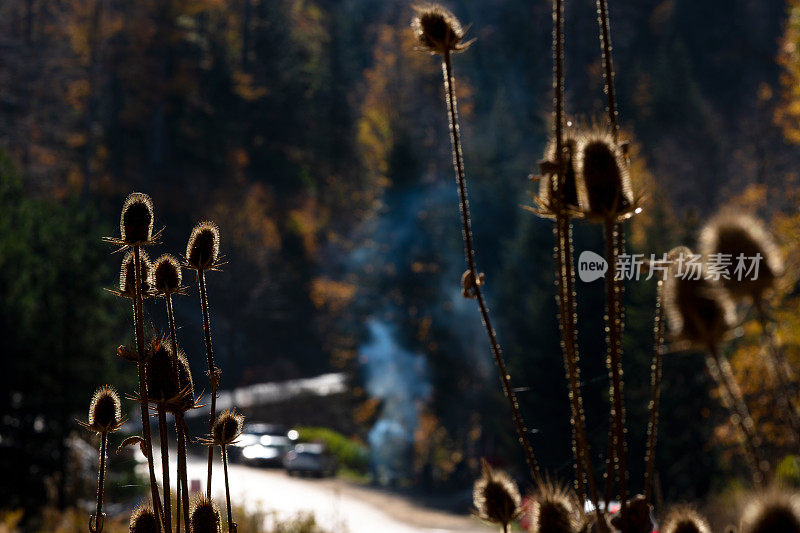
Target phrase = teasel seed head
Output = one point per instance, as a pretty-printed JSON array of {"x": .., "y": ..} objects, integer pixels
[
  {"x": 603, "y": 179},
  {"x": 546, "y": 201},
  {"x": 774, "y": 511},
  {"x": 205, "y": 517},
  {"x": 437, "y": 30},
  {"x": 127, "y": 279},
  {"x": 734, "y": 234},
  {"x": 697, "y": 311},
  {"x": 162, "y": 379},
  {"x": 202, "y": 250},
  {"x": 685, "y": 520},
  {"x": 144, "y": 520},
  {"x": 136, "y": 221},
  {"x": 638, "y": 516},
  {"x": 167, "y": 275},
  {"x": 555, "y": 510},
  {"x": 105, "y": 411},
  {"x": 496, "y": 497},
  {"x": 186, "y": 399},
  {"x": 227, "y": 428}
]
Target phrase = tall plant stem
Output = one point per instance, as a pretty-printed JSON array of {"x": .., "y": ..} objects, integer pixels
[
  {"x": 101, "y": 476},
  {"x": 231, "y": 527},
  {"x": 655, "y": 393},
  {"x": 469, "y": 252},
  {"x": 608, "y": 66},
  {"x": 163, "y": 433},
  {"x": 172, "y": 334},
  {"x": 613, "y": 320},
  {"x": 213, "y": 375},
  {"x": 143, "y": 384},
  {"x": 183, "y": 483},
  {"x": 780, "y": 368},
  {"x": 720, "y": 370},
  {"x": 565, "y": 273}
]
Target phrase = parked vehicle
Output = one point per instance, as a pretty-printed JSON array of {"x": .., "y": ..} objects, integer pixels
[
  {"x": 262, "y": 445},
  {"x": 310, "y": 459}
]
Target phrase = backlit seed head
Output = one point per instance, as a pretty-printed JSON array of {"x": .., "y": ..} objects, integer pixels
[
  {"x": 205, "y": 517},
  {"x": 105, "y": 410},
  {"x": 697, "y": 311},
  {"x": 638, "y": 516},
  {"x": 685, "y": 520},
  {"x": 227, "y": 427},
  {"x": 737, "y": 235},
  {"x": 203, "y": 247},
  {"x": 772, "y": 512},
  {"x": 162, "y": 378},
  {"x": 437, "y": 30},
  {"x": 185, "y": 400},
  {"x": 136, "y": 221},
  {"x": 167, "y": 275},
  {"x": 555, "y": 510},
  {"x": 547, "y": 201},
  {"x": 144, "y": 520},
  {"x": 496, "y": 497},
  {"x": 127, "y": 275},
  {"x": 603, "y": 179}
]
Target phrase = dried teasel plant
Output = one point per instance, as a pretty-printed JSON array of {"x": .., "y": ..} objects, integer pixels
[
  {"x": 144, "y": 520},
  {"x": 734, "y": 242},
  {"x": 555, "y": 509},
  {"x": 136, "y": 230},
  {"x": 771, "y": 512},
  {"x": 226, "y": 430},
  {"x": 205, "y": 516},
  {"x": 105, "y": 416},
  {"x": 700, "y": 315},
  {"x": 684, "y": 519},
  {"x": 496, "y": 497},
  {"x": 639, "y": 518},
  {"x": 656, "y": 366},
  {"x": 439, "y": 32},
  {"x": 202, "y": 255}
]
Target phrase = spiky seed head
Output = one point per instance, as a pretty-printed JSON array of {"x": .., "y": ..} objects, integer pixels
[
  {"x": 185, "y": 401},
  {"x": 162, "y": 378},
  {"x": 697, "y": 311},
  {"x": 496, "y": 497},
  {"x": 105, "y": 410},
  {"x": 775, "y": 511},
  {"x": 604, "y": 183},
  {"x": 685, "y": 520},
  {"x": 203, "y": 247},
  {"x": 736, "y": 234},
  {"x": 555, "y": 510},
  {"x": 437, "y": 30},
  {"x": 144, "y": 520},
  {"x": 205, "y": 517},
  {"x": 227, "y": 427},
  {"x": 547, "y": 200},
  {"x": 638, "y": 516},
  {"x": 167, "y": 274},
  {"x": 127, "y": 275},
  {"x": 136, "y": 221}
]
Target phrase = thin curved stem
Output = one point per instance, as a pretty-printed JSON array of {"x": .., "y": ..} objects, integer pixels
[
  {"x": 469, "y": 253},
  {"x": 655, "y": 393},
  {"x": 213, "y": 375},
  {"x": 143, "y": 385},
  {"x": 162, "y": 431},
  {"x": 608, "y": 66},
  {"x": 613, "y": 320},
  {"x": 231, "y": 527}
]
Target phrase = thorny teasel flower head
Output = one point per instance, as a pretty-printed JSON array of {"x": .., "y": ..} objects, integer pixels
[
  {"x": 437, "y": 30},
  {"x": 742, "y": 235},
  {"x": 205, "y": 517},
  {"x": 684, "y": 519},
  {"x": 167, "y": 275},
  {"x": 496, "y": 497},
  {"x": 639, "y": 520},
  {"x": 555, "y": 509},
  {"x": 603, "y": 179},
  {"x": 202, "y": 250},
  {"x": 127, "y": 276},
  {"x": 697, "y": 311},
  {"x": 227, "y": 428},
  {"x": 105, "y": 411},
  {"x": 169, "y": 380},
  {"x": 144, "y": 520},
  {"x": 774, "y": 511},
  {"x": 547, "y": 201},
  {"x": 136, "y": 222}
]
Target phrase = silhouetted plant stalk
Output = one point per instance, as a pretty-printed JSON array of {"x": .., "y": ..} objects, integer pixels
[
  {"x": 226, "y": 430},
  {"x": 655, "y": 392},
  {"x": 202, "y": 254},
  {"x": 565, "y": 271},
  {"x": 439, "y": 32}
]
